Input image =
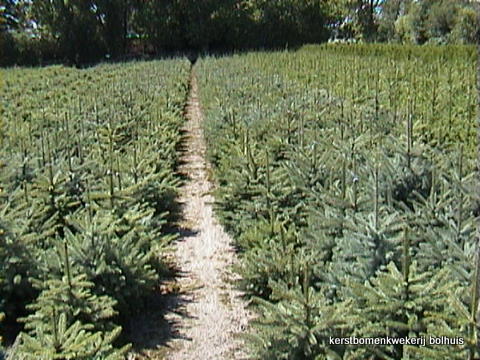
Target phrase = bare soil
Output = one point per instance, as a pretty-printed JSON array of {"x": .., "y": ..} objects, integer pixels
[{"x": 211, "y": 312}]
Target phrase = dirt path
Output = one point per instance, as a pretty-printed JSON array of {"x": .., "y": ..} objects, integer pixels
[{"x": 212, "y": 310}]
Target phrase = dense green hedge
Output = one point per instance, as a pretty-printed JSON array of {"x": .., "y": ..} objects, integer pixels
[{"x": 427, "y": 52}]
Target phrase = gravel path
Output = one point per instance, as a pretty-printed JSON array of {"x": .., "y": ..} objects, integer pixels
[{"x": 213, "y": 312}]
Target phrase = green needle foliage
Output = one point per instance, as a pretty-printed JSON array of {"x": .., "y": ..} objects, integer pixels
[
  {"x": 323, "y": 157},
  {"x": 60, "y": 340},
  {"x": 87, "y": 201},
  {"x": 395, "y": 303},
  {"x": 298, "y": 323}
]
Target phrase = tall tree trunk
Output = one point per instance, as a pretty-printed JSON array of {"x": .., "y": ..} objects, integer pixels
[
  {"x": 371, "y": 19},
  {"x": 125, "y": 27}
]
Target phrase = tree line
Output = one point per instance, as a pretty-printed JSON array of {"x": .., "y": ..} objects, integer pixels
[{"x": 82, "y": 31}]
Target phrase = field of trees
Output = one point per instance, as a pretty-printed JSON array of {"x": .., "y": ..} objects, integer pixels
[
  {"x": 346, "y": 175},
  {"x": 87, "y": 201}
]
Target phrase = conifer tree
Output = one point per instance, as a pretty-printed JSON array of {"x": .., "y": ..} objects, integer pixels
[
  {"x": 395, "y": 303},
  {"x": 392, "y": 307},
  {"x": 68, "y": 320},
  {"x": 297, "y": 322},
  {"x": 61, "y": 339},
  {"x": 69, "y": 293},
  {"x": 366, "y": 248},
  {"x": 116, "y": 253},
  {"x": 269, "y": 257},
  {"x": 17, "y": 264}
]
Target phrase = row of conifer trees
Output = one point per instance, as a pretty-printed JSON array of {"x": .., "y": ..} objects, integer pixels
[
  {"x": 354, "y": 210},
  {"x": 87, "y": 199}
]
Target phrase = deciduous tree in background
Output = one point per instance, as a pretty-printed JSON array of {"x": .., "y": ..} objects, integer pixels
[
  {"x": 72, "y": 24},
  {"x": 82, "y": 31}
]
